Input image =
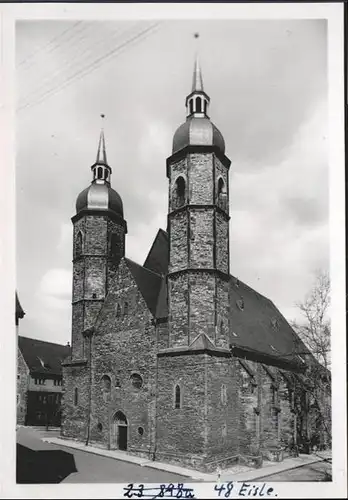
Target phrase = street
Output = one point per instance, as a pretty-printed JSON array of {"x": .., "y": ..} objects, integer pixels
[
  {"x": 41, "y": 462},
  {"x": 319, "y": 471},
  {"x": 61, "y": 464}
]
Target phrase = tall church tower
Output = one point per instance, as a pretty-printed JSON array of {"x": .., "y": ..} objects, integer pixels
[
  {"x": 98, "y": 246},
  {"x": 198, "y": 224}
]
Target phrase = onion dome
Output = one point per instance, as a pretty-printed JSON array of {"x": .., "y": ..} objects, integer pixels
[
  {"x": 100, "y": 195},
  {"x": 198, "y": 130}
]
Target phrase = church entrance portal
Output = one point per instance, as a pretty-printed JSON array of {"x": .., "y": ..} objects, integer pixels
[{"x": 120, "y": 431}]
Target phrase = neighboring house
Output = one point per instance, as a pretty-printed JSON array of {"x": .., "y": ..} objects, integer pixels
[
  {"x": 176, "y": 359},
  {"x": 39, "y": 381}
]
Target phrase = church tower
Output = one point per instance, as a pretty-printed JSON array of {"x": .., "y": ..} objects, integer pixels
[
  {"x": 98, "y": 246},
  {"x": 198, "y": 224}
]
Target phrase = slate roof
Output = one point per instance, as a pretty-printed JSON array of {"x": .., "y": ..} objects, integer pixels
[
  {"x": 158, "y": 256},
  {"x": 43, "y": 357},
  {"x": 149, "y": 283},
  {"x": 257, "y": 326}
]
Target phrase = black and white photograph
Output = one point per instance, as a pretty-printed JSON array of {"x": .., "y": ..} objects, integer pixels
[{"x": 177, "y": 287}]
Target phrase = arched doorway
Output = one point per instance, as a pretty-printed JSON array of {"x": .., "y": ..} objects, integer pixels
[{"x": 119, "y": 431}]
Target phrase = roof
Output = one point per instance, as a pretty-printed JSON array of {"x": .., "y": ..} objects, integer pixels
[
  {"x": 158, "y": 256},
  {"x": 43, "y": 357},
  {"x": 19, "y": 311},
  {"x": 257, "y": 324},
  {"x": 149, "y": 283}
]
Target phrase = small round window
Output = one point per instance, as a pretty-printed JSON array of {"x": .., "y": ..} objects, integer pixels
[
  {"x": 137, "y": 381},
  {"x": 140, "y": 431}
]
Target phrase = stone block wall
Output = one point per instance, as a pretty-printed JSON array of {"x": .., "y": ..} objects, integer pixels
[
  {"x": 22, "y": 388},
  {"x": 125, "y": 345},
  {"x": 181, "y": 431},
  {"x": 200, "y": 175},
  {"x": 75, "y": 416}
]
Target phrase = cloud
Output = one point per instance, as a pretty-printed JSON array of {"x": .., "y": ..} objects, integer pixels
[{"x": 56, "y": 284}]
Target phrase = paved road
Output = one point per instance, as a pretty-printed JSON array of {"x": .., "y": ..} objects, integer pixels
[
  {"x": 318, "y": 471},
  {"x": 59, "y": 464}
]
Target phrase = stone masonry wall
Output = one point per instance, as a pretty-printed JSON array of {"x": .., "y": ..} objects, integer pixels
[
  {"x": 74, "y": 417},
  {"x": 201, "y": 238},
  {"x": 181, "y": 431},
  {"x": 200, "y": 169},
  {"x": 222, "y": 238},
  {"x": 202, "y": 293},
  {"x": 178, "y": 242},
  {"x": 178, "y": 294},
  {"x": 222, "y": 311},
  {"x": 124, "y": 345},
  {"x": 222, "y": 403},
  {"x": 22, "y": 388}
]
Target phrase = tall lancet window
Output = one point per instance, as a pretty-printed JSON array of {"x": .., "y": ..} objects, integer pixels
[
  {"x": 179, "y": 192},
  {"x": 198, "y": 105},
  {"x": 221, "y": 194},
  {"x": 78, "y": 248}
]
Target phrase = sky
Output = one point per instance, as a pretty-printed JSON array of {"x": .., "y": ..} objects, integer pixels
[{"x": 267, "y": 81}]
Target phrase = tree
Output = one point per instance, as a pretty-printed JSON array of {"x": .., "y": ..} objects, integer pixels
[
  {"x": 315, "y": 329},
  {"x": 315, "y": 333}
]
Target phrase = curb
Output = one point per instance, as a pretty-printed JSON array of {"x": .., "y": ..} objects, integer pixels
[{"x": 263, "y": 476}]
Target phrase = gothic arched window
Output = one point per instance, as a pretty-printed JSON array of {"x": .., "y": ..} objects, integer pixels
[
  {"x": 191, "y": 106},
  {"x": 136, "y": 380},
  {"x": 125, "y": 309},
  {"x": 76, "y": 396},
  {"x": 100, "y": 173},
  {"x": 118, "y": 311},
  {"x": 223, "y": 394},
  {"x": 179, "y": 192},
  {"x": 221, "y": 193},
  {"x": 79, "y": 244},
  {"x": 106, "y": 383},
  {"x": 106, "y": 387},
  {"x": 177, "y": 397},
  {"x": 198, "y": 105}
]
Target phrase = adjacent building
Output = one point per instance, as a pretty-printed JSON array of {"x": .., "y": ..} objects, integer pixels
[
  {"x": 176, "y": 359},
  {"x": 39, "y": 379}
]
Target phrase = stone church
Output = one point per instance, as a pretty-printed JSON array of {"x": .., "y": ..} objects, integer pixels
[{"x": 177, "y": 360}]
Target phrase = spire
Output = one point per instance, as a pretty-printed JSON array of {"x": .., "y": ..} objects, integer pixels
[
  {"x": 197, "y": 82},
  {"x": 197, "y": 102},
  {"x": 101, "y": 170},
  {"x": 101, "y": 154}
]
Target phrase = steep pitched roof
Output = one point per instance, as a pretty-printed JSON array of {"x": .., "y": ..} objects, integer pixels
[
  {"x": 257, "y": 325},
  {"x": 149, "y": 283},
  {"x": 43, "y": 357},
  {"x": 157, "y": 258}
]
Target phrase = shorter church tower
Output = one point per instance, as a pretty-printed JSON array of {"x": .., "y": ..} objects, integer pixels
[{"x": 98, "y": 246}]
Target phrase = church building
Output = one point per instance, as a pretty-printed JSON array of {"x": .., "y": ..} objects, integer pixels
[{"x": 177, "y": 360}]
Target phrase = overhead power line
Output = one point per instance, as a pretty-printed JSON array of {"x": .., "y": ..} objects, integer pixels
[
  {"x": 71, "y": 60},
  {"x": 45, "y": 46},
  {"x": 91, "y": 67}
]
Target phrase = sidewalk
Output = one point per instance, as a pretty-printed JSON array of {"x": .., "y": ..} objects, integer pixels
[{"x": 236, "y": 473}]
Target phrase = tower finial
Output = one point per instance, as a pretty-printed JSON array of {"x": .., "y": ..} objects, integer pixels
[{"x": 101, "y": 154}]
